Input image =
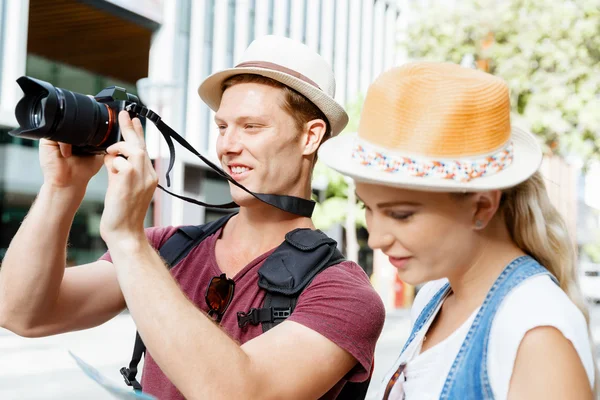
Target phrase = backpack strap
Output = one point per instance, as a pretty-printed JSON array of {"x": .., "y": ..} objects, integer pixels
[
  {"x": 175, "y": 249},
  {"x": 287, "y": 272}
]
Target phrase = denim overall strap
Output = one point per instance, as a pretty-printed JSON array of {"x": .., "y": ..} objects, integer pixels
[
  {"x": 468, "y": 377},
  {"x": 426, "y": 313}
]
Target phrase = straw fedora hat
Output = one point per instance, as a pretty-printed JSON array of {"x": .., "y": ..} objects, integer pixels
[
  {"x": 291, "y": 63},
  {"x": 436, "y": 127}
]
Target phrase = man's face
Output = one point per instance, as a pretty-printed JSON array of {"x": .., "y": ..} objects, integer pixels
[{"x": 259, "y": 144}]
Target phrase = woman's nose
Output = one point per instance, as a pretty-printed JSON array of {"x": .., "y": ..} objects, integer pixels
[{"x": 379, "y": 239}]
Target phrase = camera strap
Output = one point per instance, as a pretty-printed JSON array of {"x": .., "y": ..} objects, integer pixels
[{"x": 291, "y": 204}]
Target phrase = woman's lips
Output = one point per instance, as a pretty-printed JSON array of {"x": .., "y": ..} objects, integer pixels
[{"x": 400, "y": 262}]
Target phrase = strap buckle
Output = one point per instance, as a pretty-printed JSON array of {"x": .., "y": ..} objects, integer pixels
[
  {"x": 251, "y": 317},
  {"x": 130, "y": 380},
  {"x": 143, "y": 111},
  {"x": 281, "y": 313},
  {"x": 256, "y": 316}
]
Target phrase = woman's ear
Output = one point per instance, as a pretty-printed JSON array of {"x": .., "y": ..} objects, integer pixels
[
  {"x": 486, "y": 205},
  {"x": 313, "y": 136}
]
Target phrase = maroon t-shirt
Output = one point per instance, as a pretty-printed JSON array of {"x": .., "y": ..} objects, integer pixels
[{"x": 340, "y": 304}]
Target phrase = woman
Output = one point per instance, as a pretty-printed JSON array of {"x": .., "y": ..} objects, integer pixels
[{"x": 453, "y": 196}]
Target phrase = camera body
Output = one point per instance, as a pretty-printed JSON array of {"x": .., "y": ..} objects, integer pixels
[{"x": 89, "y": 124}]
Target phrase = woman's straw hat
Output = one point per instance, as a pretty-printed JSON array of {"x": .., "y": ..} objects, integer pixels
[{"x": 436, "y": 127}]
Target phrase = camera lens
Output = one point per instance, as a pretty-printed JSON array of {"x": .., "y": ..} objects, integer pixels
[
  {"x": 37, "y": 114},
  {"x": 57, "y": 114}
]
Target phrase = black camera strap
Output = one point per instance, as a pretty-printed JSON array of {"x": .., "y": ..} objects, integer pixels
[{"x": 294, "y": 205}]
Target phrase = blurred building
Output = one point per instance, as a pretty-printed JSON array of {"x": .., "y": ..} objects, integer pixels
[{"x": 86, "y": 45}]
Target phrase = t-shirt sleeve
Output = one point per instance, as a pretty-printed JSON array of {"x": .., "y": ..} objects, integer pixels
[
  {"x": 156, "y": 236},
  {"x": 536, "y": 302},
  {"x": 341, "y": 305}
]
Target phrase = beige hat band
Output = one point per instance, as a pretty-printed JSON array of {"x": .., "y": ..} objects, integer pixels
[
  {"x": 279, "y": 68},
  {"x": 462, "y": 170}
]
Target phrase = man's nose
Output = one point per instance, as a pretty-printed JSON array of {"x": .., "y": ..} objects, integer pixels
[{"x": 231, "y": 141}]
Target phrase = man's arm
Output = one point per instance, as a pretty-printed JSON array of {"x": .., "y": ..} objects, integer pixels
[
  {"x": 548, "y": 367},
  {"x": 289, "y": 361},
  {"x": 38, "y": 297}
]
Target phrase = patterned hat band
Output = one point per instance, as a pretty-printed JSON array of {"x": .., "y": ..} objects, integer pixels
[{"x": 457, "y": 170}]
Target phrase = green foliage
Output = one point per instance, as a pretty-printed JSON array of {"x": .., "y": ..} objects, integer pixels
[
  {"x": 547, "y": 51},
  {"x": 592, "y": 247},
  {"x": 593, "y": 252},
  {"x": 333, "y": 209}
]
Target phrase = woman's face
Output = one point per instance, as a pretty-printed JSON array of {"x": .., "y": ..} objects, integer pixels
[{"x": 426, "y": 235}]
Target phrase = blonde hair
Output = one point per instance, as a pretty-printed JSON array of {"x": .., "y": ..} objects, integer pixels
[{"x": 539, "y": 230}]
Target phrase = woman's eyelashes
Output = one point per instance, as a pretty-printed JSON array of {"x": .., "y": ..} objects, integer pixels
[
  {"x": 400, "y": 215},
  {"x": 397, "y": 215}
]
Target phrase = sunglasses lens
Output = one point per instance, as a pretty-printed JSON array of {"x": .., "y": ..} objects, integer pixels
[{"x": 219, "y": 294}]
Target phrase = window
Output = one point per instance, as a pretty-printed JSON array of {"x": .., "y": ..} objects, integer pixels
[
  {"x": 209, "y": 17},
  {"x": 335, "y": 23},
  {"x": 230, "y": 32},
  {"x": 2, "y": 36},
  {"x": 320, "y": 28},
  {"x": 271, "y": 15},
  {"x": 360, "y": 54},
  {"x": 71, "y": 78},
  {"x": 251, "y": 21},
  {"x": 288, "y": 18},
  {"x": 305, "y": 21}
]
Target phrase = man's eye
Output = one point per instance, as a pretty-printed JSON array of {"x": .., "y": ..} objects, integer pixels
[{"x": 251, "y": 126}]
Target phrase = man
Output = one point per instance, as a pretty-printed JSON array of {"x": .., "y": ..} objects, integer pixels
[{"x": 272, "y": 111}]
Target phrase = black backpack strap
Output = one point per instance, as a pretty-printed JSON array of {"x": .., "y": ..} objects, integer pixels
[
  {"x": 129, "y": 373},
  {"x": 354, "y": 390},
  {"x": 287, "y": 272},
  {"x": 178, "y": 246},
  {"x": 175, "y": 249}
]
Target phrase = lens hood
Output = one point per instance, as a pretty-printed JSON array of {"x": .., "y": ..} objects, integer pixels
[{"x": 36, "y": 92}]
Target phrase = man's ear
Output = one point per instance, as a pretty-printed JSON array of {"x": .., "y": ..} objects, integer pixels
[
  {"x": 313, "y": 135},
  {"x": 486, "y": 205}
]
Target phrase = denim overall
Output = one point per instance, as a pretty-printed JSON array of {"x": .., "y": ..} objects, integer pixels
[{"x": 468, "y": 376}]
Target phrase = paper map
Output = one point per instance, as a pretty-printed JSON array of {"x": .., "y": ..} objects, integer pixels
[{"x": 117, "y": 391}]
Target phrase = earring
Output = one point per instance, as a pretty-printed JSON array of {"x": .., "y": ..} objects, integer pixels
[{"x": 479, "y": 224}]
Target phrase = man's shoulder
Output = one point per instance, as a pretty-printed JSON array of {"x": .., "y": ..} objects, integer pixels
[
  {"x": 348, "y": 280},
  {"x": 347, "y": 272},
  {"x": 158, "y": 235}
]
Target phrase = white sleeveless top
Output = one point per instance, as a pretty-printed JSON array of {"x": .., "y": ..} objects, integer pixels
[{"x": 537, "y": 301}]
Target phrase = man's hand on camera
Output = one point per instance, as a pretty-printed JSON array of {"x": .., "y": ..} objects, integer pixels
[
  {"x": 62, "y": 170},
  {"x": 132, "y": 181}
]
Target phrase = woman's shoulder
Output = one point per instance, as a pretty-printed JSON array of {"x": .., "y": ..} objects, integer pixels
[{"x": 536, "y": 302}]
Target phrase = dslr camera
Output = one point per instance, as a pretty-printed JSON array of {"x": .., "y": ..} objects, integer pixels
[{"x": 89, "y": 124}]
